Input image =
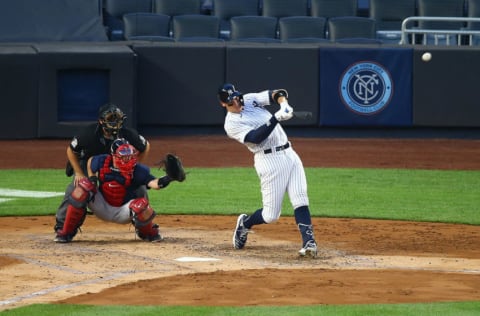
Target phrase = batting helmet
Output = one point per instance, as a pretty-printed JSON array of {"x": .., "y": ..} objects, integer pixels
[
  {"x": 227, "y": 92},
  {"x": 111, "y": 118}
]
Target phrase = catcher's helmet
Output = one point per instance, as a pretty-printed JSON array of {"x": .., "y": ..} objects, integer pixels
[
  {"x": 125, "y": 158},
  {"x": 227, "y": 92},
  {"x": 111, "y": 118},
  {"x": 117, "y": 143}
]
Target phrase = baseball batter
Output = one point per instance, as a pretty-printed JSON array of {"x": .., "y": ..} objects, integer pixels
[{"x": 277, "y": 165}]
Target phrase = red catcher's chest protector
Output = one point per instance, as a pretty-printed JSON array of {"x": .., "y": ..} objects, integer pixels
[{"x": 112, "y": 191}]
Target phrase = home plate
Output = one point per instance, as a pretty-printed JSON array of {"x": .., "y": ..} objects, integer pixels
[{"x": 195, "y": 259}]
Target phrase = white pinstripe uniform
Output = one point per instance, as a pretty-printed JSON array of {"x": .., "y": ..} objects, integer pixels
[{"x": 280, "y": 171}]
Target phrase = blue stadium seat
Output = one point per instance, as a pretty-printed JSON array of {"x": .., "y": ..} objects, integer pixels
[
  {"x": 113, "y": 11},
  {"x": 254, "y": 29},
  {"x": 302, "y": 29},
  {"x": 226, "y": 9},
  {"x": 147, "y": 27},
  {"x": 196, "y": 27}
]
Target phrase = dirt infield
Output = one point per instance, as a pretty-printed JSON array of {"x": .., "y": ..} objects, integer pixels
[{"x": 361, "y": 261}]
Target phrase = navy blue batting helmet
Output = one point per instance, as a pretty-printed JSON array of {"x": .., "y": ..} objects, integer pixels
[{"x": 227, "y": 92}]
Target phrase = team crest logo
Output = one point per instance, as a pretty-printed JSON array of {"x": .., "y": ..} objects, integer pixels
[{"x": 366, "y": 88}]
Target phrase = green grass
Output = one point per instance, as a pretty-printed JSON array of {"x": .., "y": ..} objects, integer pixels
[
  {"x": 418, "y": 195},
  {"x": 444, "y": 309}
]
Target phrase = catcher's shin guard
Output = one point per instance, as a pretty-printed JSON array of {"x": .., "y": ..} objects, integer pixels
[
  {"x": 76, "y": 210},
  {"x": 73, "y": 220},
  {"x": 143, "y": 215}
]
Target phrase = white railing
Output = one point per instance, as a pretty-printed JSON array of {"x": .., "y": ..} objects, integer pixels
[{"x": 409, "y": 28}]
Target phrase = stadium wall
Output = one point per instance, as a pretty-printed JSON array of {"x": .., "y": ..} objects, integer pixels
[{"x": 49, "y": 90}]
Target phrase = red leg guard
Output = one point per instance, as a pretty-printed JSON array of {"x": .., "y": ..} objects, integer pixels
[
  {"x": 143, "y": 215},
  {"x": 76, "y": 211},
  {"x": 73, "y": 220},
  {"x": 149, "y": 232}
]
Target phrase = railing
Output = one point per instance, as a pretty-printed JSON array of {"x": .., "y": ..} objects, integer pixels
[{"x": 409, "y": 28}]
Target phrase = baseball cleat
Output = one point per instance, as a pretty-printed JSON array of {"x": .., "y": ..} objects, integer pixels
[
  {"x": 157, "y": 238},
  {"x": 309, "y": 249},
  {"x": 63, "y": 239},
  {"x": 241, "y": 233}
]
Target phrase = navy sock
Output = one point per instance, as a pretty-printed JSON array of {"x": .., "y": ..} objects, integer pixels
[
  {"x": 304, "y": 223},
  {"x": 255, "y": 219},
  {"x": 302, "y": 215}
]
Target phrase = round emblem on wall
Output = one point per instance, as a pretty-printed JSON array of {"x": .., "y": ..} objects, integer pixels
[{"x": 366, "y": 88}]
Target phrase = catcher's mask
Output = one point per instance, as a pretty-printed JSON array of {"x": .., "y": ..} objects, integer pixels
[
  {"x": 125, "y": 158},
  {"x": 227, "y": 93},
  {"x": 111, "y": 118}
]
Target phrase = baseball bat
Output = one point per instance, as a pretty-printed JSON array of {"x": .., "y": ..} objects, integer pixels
[{"x": 302, "y": 114}]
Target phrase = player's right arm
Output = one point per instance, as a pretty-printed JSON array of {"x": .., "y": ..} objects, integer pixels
[{"x": 73, "y": 158}]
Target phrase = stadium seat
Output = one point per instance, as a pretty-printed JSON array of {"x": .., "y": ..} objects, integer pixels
[
  {"x": 226, "y": 9},
  {"x": 352, "y": 29},
  {"x": 50, "y": 21},
  {"x": 281, "y": 8},
  {"x": 473, "y": 11},
  {"x": 147, "y": 27},
  {"x": 113, "y": 11},
  {"x": 389, "y": 15},
  {"x": 254, "y": 29},
  {"x": 196, "y": 27},
  {"x": 440, "y": 8},
  {"x": 302, "y": 29},
  {"x": 177, "y": 7},
  {"x": 333, "y": 8}
]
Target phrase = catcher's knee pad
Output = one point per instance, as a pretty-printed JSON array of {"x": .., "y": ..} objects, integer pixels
[
  {"x": 83, "y": 193},
  {"x": 143, "y": 215},
  {"x": 142, "y": 212}
]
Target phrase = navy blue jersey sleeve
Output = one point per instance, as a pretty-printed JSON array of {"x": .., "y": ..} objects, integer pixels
[
  {"x": 142, "y": 175},
  {"x": 261, "y": 133}
]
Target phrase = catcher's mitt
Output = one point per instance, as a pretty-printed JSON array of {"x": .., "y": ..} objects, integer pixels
[{"x": 173, "y": 167}]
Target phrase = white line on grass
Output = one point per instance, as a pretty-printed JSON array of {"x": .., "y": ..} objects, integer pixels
[{"x": 25, "y": 193}]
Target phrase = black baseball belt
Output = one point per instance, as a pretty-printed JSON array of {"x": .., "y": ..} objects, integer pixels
[{"x": 278, "y": 148}]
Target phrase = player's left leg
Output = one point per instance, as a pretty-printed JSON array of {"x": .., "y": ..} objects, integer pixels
[
  {"x": 143, "y": 215},
  {"x": 297, "y": 192}
]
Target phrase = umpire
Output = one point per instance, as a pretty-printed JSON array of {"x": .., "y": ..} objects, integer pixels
[{"x": 96, "y": 139}]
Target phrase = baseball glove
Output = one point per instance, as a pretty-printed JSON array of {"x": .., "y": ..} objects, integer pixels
[{"x": 174, "y": 168}]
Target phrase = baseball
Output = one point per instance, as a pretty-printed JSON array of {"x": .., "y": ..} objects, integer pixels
[{"x": 426, "y": 56}]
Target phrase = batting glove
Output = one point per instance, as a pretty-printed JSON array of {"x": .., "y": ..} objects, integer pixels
[{"x": 285, "y": 112}]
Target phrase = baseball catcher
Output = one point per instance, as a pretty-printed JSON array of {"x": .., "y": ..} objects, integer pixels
[
  {"x": 96, "y": 139},
  {"x": 109, "y": 192}
]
